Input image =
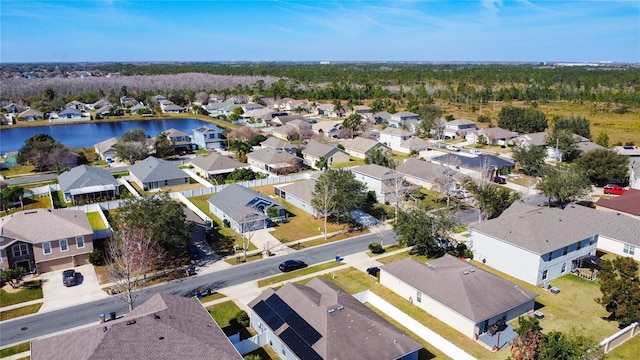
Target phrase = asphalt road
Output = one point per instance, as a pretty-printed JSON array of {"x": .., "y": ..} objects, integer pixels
[{"x": 23, "y": 329}]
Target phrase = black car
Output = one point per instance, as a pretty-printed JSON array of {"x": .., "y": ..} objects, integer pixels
[
  {"x": 69, "y": 278},
  {"x": 373, "y": 271},
  {"x": 291, "y": 265},
  {"x": 499, "y": 180}
]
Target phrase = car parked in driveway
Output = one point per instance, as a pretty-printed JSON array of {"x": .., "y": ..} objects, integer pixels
[
  {"x": 291, "y": 265},
  {"x": 499, "y": 180},
  {"x": 69, "y": 278},
  {"x": 614, "y": 189}
]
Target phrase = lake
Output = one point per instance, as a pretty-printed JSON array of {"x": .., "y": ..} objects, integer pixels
[{"x": 88, "y": 134}]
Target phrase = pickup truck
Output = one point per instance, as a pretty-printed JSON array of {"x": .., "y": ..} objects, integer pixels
[{"x": 452, "y": 148}]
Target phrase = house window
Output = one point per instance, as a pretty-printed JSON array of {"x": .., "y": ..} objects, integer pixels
[
  {"x": 166, "y": 182},
  {"x": 592, "y": 240},
  {"x": 20, "y": 250},
  {"x": 565, "y": 250},
  {"x": 544, "y": 275},
  {"x": 564, "y": 268},
  {"x": 419, "y": 297},
  {"x": 64, "y": 245},
  {"x": 46, "y": 248},
  {"x": 579, "y": 245},
  {"x": 629, "y": 249},
  {"x": 79, "y": 242}
]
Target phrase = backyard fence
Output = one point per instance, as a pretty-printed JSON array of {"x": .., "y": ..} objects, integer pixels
[{"x": 620, "y": 337}]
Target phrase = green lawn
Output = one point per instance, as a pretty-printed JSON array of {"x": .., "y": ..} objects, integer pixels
[
  {"x": 627, "y": 351},
  {"x": 17, "y": 171},
  {"x": 21, "y": 311},
  {"x": 32, "y": 290},
  {"x": 16, "y": 349},
  {"x": 294, "y": 274},
  {"x": 214, "y": 296},
  {"x": 96, "y": 221},
  {"x": 224, "y": 315}
]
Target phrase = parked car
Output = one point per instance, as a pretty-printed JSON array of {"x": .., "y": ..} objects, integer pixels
[
  {"x": 69, "y": 278},
  {"x": 475, "y": 151},
  {"x": 499, "y": 180},
  {"x": 452, "y": 148},
  {"x": 462, "y": 194},
  {"x": 291, "y": 265},
  {"x": 614, "y": 189},
  {"x": 194, "y": 252},
  {"x": 373, "y": 271}
]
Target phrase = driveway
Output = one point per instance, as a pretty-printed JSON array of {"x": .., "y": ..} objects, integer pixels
[{"x": 56, "y": 295}]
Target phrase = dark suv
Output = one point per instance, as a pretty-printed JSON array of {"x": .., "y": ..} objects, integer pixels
[
  {"x": 499, "y": 180},
  {"x": 69, "y": 278}
]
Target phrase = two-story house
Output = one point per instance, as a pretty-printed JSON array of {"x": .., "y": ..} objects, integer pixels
[
  {"x": 208, "y": 137},
  {"x": 394, "y": 137},
  {"x": 314, "y": 151},
  {"x": 181, "y": 140},
  {"x": 398, "y": 119},
  {"x": 459, "y": 128}
]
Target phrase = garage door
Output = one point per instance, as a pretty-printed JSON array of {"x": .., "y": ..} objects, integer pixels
[
  {"x": 57, "y": 264},
  {"x": 82, "y": 259}
]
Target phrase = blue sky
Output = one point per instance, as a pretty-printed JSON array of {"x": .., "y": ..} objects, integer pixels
[{"x": 157, "y": 30}]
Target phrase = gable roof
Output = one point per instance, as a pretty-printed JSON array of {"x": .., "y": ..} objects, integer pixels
[
  {"x": 84, "y": 176},
  {"x": 278, "y": 144},
  {"x": 427, "y": 171},
  {"x": 70, "y": 111},
  {"x": 164, "y": 327},
  {"x": 477, "y": 162},
  {"x": 216, "y": 162},
  {"x": 154, "y": 169},
  {"x": 303, "y": 190},
  {"x": 533, "y": 139},
  {"x": 318, "y": 149},
  {"x": 414, "y": 142},
  {"x": 60, "y": 224},
  {"x": 31, "y": 112},
  {"x": 174, "y": 133},
  {"x": 326, "y": 126},
  {"x": 497, "y": 133},
  {"x": 271, "y": 156},
  {"x": 106, "y": 145},
  {"x": 608, "y": 223},
  {"x": 360, "y": 144},
  {"x": 235, "y": 200},
  {"x": 339, "y": 326},
  {"x": 376, "y": 171},
  {"x": 458, "y": 122},
  {"x": 474, "y": 293},
  {"x": 629, "y": 202},
  {"x": 395, "y": 131}
]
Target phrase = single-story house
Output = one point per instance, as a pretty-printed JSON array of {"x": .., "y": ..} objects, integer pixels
[
  {"x": 388, "y": 184},
  {"x": 285, "y": 132},
  {"x": 467, "y": 298},
  {"x": 533, "y": 244},
  {"x": 181, "y": 140},
  {"x": 627, "y": 203},
  {"x": 314, "y": 150},
  {"x": 45, "y": 239},
  {"x": 168, "y": 107},
  {"x": 30, "y": 115},
  {"x": 382, "y": 117},
  {"x": 327, "y": 128},
  {"x": 278, "y": 144},
  {"x": 413, "y": 143},
  {"x": 165, "y": 327},
  {"x": 245, "y": 209},
  {"x": 393, "y": 137},
  {"x": 85, "y": 183},
  {"x": 322, "y": 321},
  {"x": 153, "y": 173},
  {"x": 215, "y": 164},
  {"x": 69, "y": 114},
  {"x": 458, "y": 128},
  {"x": 360, "y": 147},
  {"x": 299, "y": 194},
  {"x": 106, "y": 149},
  {"x": 273, "y": 161},
  {"x": 14, "y": 108},
  {"x": 426, "y": 174},
  {"x": 482, "y": 165},
  {"x": 492, "y": 136},
  {"x": 532, "y": 139},
  {"x": 208, "y": 137},
  {"x": 282, "y": 120}
]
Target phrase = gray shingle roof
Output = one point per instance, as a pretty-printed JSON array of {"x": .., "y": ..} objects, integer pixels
[
  {"x": 360, "y": 144},
  {"x": 236, "y": 200},
  {"x": 318, "y": 149},
  {"x": 533, "y": 139},
  {"x": 476, "y": 162},
  {"x": 271, "y": 156},
  {"x": 424, "y": 170},
  {"x": 355, "y": 332},
  {"x": 83, "y": 176},
  {"x": 106, "y": 145},
  {"x": 164, "y": 327},
  {"x": 275, "y": 143},
  {"x": 39, "y": 225},
  {"x": 608, "y": 223},
  {"x": 376, "y": 171},
  {"x": 215, "y": 162},
  {"x": 395, "y": 131},
  {"x": 303, "y": 190},
  {"x": 477, "y": 295},
  {"x": 154, "y": 169}
]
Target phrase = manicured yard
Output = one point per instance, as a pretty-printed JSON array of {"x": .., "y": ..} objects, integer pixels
[
  {"x": 627, "y": 351},
  {"x": 96, "y": 221},
  {"x": 294, "y": 274},
  {"x": 21, "y": 311},
  {"x": 224, "y": 314},
  {"x": 18, "y": 170},
  {"x": 31, "y": 290},
  {"x": 16, "y": 349},
  {"x": 201, "y": 203},
  {"x": 214, "y": 296}
]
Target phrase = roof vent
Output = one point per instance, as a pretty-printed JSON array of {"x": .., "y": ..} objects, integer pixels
[
  {"x": 161, "y": 338},
  {"x": 156, "y": 316}
]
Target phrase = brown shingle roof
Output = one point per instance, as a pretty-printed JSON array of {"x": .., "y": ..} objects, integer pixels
[{"x": 628, "y": 202}]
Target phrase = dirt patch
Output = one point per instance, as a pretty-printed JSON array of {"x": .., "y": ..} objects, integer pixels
[{"x": 9, "y": 289}]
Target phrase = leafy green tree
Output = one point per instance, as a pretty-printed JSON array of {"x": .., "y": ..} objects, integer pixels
[
  {"x": 531, "y": 158},
  {"x": 164, "y": 147},
  {"x": 604, "y": 166},
  {"x": 13, "y": 276},
  {"x": 603, "y": 139},
  {"x": 524, "y": 120},
  {"x": 564, "y": 184},
  {"x": 380, "y": 157},
  {"x": 417, "y": 228},
  {"x": 352, "y": 122},
  {"x": 574, "y": 124},
  {"x": 137, "y": 134},
  {"x": 49, "y": 94},
  {"x": 570, "y": 346},
  {"x": 492, "y": 200},
  {"x": 37, "y": 149},
  {"x": 242, "y": 174},
  {"x": 131, "y": 151},
  {"x": 11, "y": 194},
  {"x": 162, "y": 220},
  {"x": 484, "y": 119},
  {"x": 620, "y": 286},
  {"x": 566, "y": 143},
  {"x": 322, "y": 163},
  {"x": 429, "y": 114}
]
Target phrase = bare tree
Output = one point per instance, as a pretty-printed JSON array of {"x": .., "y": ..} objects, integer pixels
[
  {"x": 323, "y": 199},
  {"x": 244, "y": 133},
  {"x": 448, "y": 182},
  {"x": 125, "y": 269}
]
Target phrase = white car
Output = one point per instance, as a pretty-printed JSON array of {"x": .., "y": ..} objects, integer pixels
[
  {"x": 475, "y": 151},
  {"x": 463, "y": 194},
  {"x": 452, "y": 148}
]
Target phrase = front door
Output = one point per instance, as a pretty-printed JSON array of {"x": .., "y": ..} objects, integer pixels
[{"x": 25, "y": 264}]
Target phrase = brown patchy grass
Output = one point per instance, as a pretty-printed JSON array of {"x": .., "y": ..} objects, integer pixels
[
  {"x": 21, "y": 311},
  {"x": 627, "y": 351},
  {"x": 330, "y": 239}
]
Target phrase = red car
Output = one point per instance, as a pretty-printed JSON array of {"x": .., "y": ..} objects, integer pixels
[{"x": 614, "y": 189}]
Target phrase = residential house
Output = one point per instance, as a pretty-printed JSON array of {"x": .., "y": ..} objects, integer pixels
[
  {"x": 14, "y": 108},
  {"x": 273, "y": 161},
  {"x": 478, "y": 166},
  {"x": 106, "y": 149},
  {"x": 540, "y": 139},
  {"x": 31, "y": 115},
  {"x": 282, "y": 120},
  {"x": 398, "y": 119},
  {"x": 45, "y": 239},
  {"x": 426, "y": 174},
  {"x": 330, "y": 129},
  {"x": 75, "y": 104},
  {"x": 299, "y": 194},
  {"x": 208, "y": 137},
  {"x": 393, "y": 137},
  {"x": 633, "y": 153},
  {"x": 328, "y": 110},
  {"x": 245, "y": 209},
  {"x": 457, "y": 293},
  {"x": 626, "y": 204},
  {"x": 98, "y": 104},
  {"x": 168, "y": 107},
  {"x": 278, "y": 144},
  {"x": 218, "y": 108},
  {"x": 364, "y": 111},
  {"x": 382, "y": 117},
  {"x": 215, "y": 164},
  {"x": 69, "y": 114},
  {"x": 165, "y": 327},
  {"x": 136, "y": 108},
  {"x": 532, "y": 139},
  {"x": 126, "y": 101},
  {"x": 360, "y": 147},
  {"x": 320, "y": 320},
  {"x": 181, "y": 141},
  {"x": 314, "y": 150},
  {"x": 459, "y": 128},
  {"x": 634, "y": 175},
  {"x": 413, "y": 143},
  {"x": 263, "y": 116},
  {"x": 85, "y": 183},
  {"x": 492, "y": 136},
  {"x": 533, "y": 244},
  {"x": 293, "y": 129},
  {"x": 153, "y": 173},
  {"x": 388, "y": 184}
]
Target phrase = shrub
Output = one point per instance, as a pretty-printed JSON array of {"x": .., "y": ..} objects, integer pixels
[
  {"x": 242, "y": 318},
  {"x": 96, "y": 257},
  {"x": 376, "y": 248}
]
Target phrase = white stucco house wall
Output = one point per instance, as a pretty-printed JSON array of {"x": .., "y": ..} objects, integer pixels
[{"x": 393, "y": 137}]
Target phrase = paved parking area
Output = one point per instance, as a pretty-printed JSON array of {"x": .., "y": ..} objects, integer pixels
[{"x": 56, "y": 295}]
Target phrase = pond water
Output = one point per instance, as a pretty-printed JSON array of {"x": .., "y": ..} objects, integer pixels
[{"x": 83, "y": 135}]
